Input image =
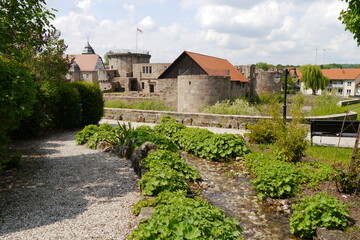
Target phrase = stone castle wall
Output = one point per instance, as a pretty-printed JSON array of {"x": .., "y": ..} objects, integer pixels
[
  {"x": 196, "y": 91},
  {"x": 265, "y": 82}
]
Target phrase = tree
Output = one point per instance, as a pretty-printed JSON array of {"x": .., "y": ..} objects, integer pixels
[
  {"x": 264, "y": 66},
  {"x": 23, "y": 24},
  {"x": 351, "y": 18},
  {"x": 313, "y": 78}
]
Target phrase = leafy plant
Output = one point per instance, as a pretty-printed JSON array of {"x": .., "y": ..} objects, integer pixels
[
  {"x": 147, "y": 202},
  {"x": 320, "y": 210},
  {"x": 168, "y": 127},
  {"x": 84, "y": 135},
  {"x": 222, "y": 147},
  {"x": 161, "y": 179},
  {"x": 276, "y": 180},
  {"x": 178, "y": 217},
  {"x": 314, "y": 173},
  {"x": 162, "y": 158},
  {"x": 96, "y": 138},
  {"x": 189, "y": 139},
  {"x": 146, "y": 134},
  {"x": 120, "y": 134},
  {"x": 347, "y": 179}
]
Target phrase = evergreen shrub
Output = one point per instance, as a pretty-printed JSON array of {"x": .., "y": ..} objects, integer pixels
[{"x": 92, "y": 102}]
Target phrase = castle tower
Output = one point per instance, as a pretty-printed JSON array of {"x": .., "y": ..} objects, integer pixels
[
  {"x": 123, "y": 60},
  {"x": 88, "y": 49}
]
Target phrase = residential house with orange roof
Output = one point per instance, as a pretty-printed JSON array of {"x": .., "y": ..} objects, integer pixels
[
  {"x": 85, "y": 66},
  {"x": 344, "y": 82}
]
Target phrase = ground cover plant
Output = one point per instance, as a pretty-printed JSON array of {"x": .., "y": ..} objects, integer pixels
[
  {"x": 179, "y": 217},
  {"x": 320, "y": 210}
]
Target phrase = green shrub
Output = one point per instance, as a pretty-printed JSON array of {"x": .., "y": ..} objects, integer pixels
[
  {"x": 143, "y": 203},
  {"x": 190, "y": 139},
  {"x": 178, "y": 217},
  {"x": 161, "y": 158},
  {"x": 264, "y": 131},
  {"x": 169, "y": 128},
  {"x": 17, "y": 95},
  {"x": 92, "y": 102},
  {"x": 292, "y": 142},
  {"x": 162, "y": 179},
  {"x": 68, "y": 109},
  {"x": 232, "y": 107},
  {"x": 320, "y": 210},
  {"x": 222, "y": 147}
]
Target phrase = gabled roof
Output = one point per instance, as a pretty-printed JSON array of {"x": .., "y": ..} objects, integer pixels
[
  {"x": 213, "y": 66},
  {"x": 341, "y": 74},
  {"x": 86, "y": 62},
  {"x": 336, "y": 74}
]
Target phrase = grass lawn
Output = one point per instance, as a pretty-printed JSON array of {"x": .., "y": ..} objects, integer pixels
[
  {"x": 354, "y": 108},
  {"x": 330, "y": 155}
]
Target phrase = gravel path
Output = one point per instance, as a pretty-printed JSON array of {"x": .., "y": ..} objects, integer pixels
[{"x": 68, "y": 192}]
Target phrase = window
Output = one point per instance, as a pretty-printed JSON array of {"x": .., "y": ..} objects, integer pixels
[
  {"x": 142, "y": 85},
  {"x": 87, "y": 75},
  {"x": 147, "y": 69},
  {"x": 349, "y": 83},
  {"x": 152, "y": 88},
  {"x": 348, "y": 92},
  {"x": 340, "y": 91}
]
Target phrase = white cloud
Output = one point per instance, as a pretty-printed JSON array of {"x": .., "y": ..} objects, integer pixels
[
  {"x": 85, "y": 5},
  {"x": 147, "y": 23},
  {"x": 244, "y": 32}
]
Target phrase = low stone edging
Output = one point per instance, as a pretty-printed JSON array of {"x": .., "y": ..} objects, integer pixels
[{"x": 202, "y": 119}]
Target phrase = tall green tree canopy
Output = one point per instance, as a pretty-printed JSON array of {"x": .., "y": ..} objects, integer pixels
[
  {"x": 313, "y": 78},
  {"x": 351, "y": 18},
  {"x": 23, "y": 24}
]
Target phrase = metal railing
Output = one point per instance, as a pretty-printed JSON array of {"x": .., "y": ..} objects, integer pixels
[{"x": 122, "y": 51}]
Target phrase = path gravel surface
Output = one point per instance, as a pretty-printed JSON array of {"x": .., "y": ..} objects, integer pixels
[{"x": 65, "y": 191}]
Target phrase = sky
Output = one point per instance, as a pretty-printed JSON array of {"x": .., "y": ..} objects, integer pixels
[{"x": 284, "y": 32}]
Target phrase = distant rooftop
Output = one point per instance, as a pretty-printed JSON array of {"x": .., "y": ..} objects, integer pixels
[{"x": 124, "y": 51}]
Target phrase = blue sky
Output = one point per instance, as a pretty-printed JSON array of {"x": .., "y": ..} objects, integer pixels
[{"x": 242, "y": 31}]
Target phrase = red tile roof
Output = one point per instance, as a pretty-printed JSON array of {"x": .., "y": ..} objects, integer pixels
[
  {"x": 217, "y": 66},
  {"x": 339, "y": 74},
  {"x": 335, "y": 74},
  {"x": 86, "y": 62}
]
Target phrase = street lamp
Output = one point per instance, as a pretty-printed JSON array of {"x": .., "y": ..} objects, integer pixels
[{"x": 277, "y": 79}]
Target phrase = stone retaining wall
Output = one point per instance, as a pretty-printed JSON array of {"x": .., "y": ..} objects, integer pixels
[{"x": 201, "y": 119}]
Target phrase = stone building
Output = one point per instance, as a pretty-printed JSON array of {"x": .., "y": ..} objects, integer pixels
[
  {"x": 202, "y": 80},
  {"x": 85, "y": 66}
]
